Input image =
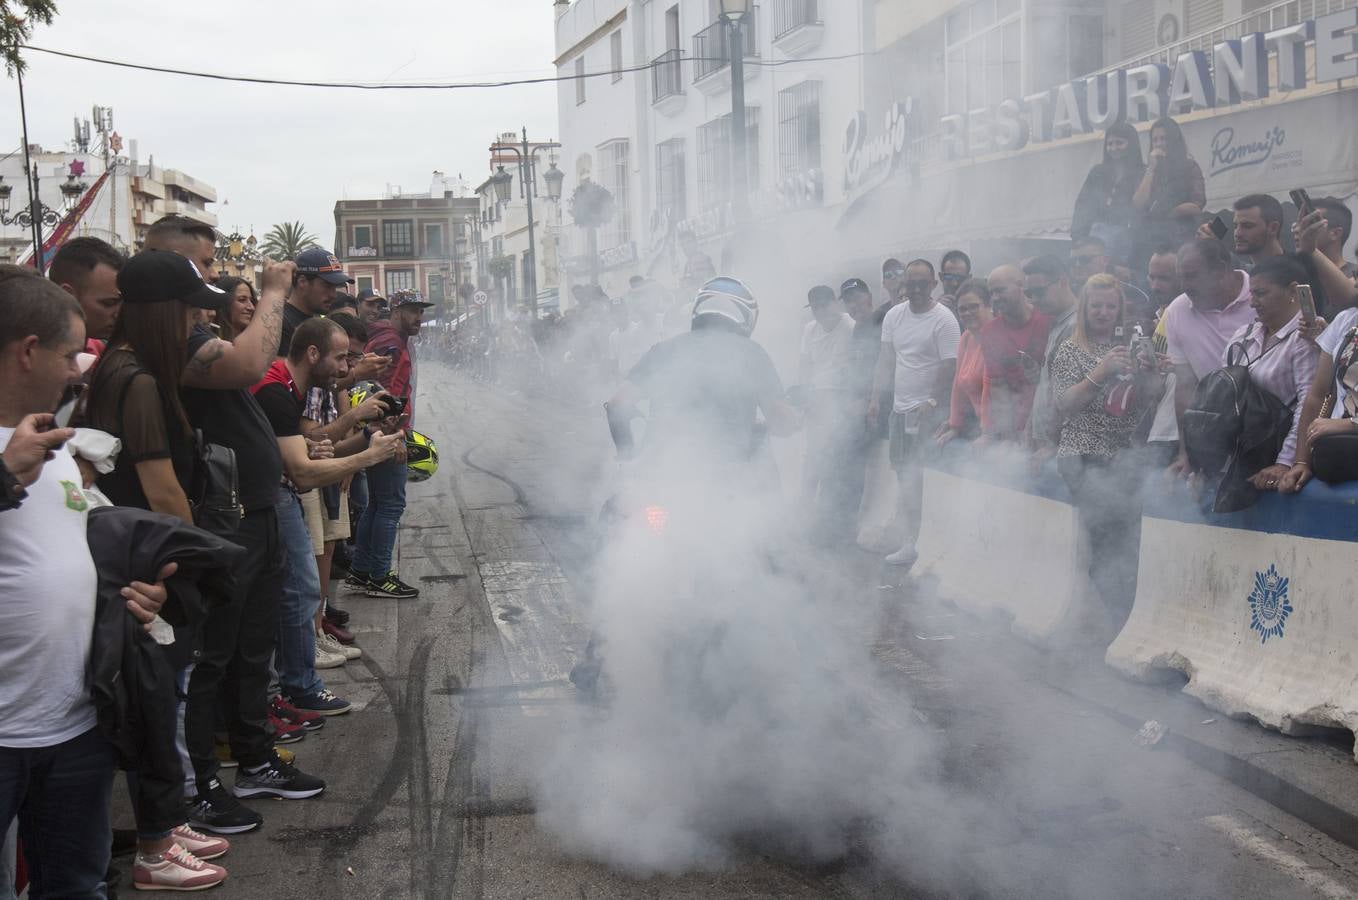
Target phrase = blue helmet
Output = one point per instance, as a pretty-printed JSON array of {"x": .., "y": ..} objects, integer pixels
[{"x": 729, "y": 299}]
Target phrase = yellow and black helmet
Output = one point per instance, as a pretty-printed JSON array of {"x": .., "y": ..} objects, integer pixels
[{"x": 422, "y": 457}]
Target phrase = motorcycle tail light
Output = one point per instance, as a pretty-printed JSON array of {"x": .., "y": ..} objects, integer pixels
[{"x": 657, "y": 517}]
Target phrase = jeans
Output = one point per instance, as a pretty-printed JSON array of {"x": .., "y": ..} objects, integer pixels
[
  {"x": 61, "y": 795},
  {"x": 301, "y": 600},
  {"x": 358, "y": 496},
  {"x": 238, "y": 645},
  {"x": 377, "y": 529},
  {"x": 9, "y": 843}
]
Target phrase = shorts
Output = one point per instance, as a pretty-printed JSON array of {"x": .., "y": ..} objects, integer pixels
[{"x": 323, "y": 528}]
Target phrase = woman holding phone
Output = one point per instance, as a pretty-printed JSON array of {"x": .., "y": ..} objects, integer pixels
[{"x": 1172, "y": 192}]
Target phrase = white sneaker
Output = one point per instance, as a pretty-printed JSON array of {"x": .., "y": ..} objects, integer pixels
[
  {"x": 327, "y": 660},
  {"x": 332, "y": 645},
  {"x": 905, "y": 556}
]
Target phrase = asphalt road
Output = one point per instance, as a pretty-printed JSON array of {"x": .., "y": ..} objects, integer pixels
[{"x": 462, "y": 694}]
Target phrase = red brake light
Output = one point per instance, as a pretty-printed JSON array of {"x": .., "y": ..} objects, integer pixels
[{"x": 657, "y": 517}]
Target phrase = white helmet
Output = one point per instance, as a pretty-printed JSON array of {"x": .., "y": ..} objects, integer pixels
[{"x": 729, "y": 299}]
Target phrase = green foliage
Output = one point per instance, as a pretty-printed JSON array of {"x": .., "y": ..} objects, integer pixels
[
  {"x": 287, "y": 240},
  {"x": 17, "y": 18},
  {"x": 592, "y": 205}
]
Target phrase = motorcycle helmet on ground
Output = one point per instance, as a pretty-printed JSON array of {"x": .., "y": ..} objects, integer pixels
[
  {"x": 422, "y": 457},
  {"x": 728, "y": 299}
]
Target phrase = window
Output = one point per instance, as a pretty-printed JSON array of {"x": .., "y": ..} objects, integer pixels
[
  {"x": 400, "y": 280},
  {"x": 398, "y": 238},
  {"x": 615, "y": 174},
  {"x": 715, "y": 155},
  {"x": 670, "y": 187},
  {"x": 799, "y": 129},
  {"x": 365, "y": 283},
  {"x": 579, "y": 80},
  {"x": 984, "y": 47},
  {"x": 615, "y": 53},
  {"x": 433, "y": 240},
  {"x": 672, "y": 28},
  {"x": 1077, "y": 42},
  {"x": 436, "y": 287},
  {"x": 363, "y": 236}
]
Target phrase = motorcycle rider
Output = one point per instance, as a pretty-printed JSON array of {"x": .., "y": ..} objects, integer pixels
[{"x": 706, "y": 385}]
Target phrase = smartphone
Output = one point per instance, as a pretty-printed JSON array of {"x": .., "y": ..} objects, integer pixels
[
  {"x": 1302, "y": 201},
  {"x": 1219, "y": 228},
  {"x": 1307, "y": 302}
]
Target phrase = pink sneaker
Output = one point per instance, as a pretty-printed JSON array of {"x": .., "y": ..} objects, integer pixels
[
  {"x": 200, "y": 845},
  {"x": 175, "y": 870}
]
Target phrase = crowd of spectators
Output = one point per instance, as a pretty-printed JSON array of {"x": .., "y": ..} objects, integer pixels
[{"x": 273, "y": 420}]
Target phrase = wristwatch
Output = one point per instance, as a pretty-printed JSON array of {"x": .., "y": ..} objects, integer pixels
[{"x": 12, "y": 493}]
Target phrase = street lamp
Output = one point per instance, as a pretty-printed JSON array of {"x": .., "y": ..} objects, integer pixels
[
  {"x": 734, "y": 12},
  {"x": 528, "y": 188}
]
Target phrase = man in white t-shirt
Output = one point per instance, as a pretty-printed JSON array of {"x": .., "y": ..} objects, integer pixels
[
  {"x": 56, "y": 771},
  {"x": 919, "y": 354}
]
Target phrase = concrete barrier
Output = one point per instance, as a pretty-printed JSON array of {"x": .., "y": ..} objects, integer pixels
[
  {"x": 997, "y": 539},
  {"x": 1258, "y": 608}
]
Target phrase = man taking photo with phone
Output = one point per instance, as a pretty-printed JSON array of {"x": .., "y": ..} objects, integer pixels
[{"x": 371, "y": 570}]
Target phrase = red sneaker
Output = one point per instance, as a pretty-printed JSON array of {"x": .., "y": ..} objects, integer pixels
[
  {"x": 284, "y": 710},
  {"x": 285, "y": 732},
  {"x": 338, "y": 632}
]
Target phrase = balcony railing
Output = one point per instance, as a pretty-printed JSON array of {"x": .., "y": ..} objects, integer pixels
[
  {"x": 712, "y": 46},
  {"x": 1275, "y": 16},
  {"x": 667, "y": 75},
  {"x": 789, "y": 15}
]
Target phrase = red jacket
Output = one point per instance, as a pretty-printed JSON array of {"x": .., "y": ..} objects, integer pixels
[{"x": 399, "y": 377}]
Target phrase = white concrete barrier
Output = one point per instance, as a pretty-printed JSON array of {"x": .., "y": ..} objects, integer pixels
[
  {"x": 1258, "y": 608},
  {"x": 1016, "y": 550}
]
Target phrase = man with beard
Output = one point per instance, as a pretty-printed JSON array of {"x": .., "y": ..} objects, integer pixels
[
  {"x": 371, "y": 570},
  {"x": 1258, "y": 228},
  {"x": 318, "y": 277},
  {"x": 87, "y": 269}
]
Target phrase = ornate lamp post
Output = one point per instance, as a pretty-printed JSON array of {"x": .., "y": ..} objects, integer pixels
[
  {"x": 734, "y": 12},
  {"x": 528, "y": 189}
]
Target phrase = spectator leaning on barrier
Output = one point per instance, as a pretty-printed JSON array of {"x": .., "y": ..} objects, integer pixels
[
  {"x": 1281, "y": 359},
  {"x": 1327, "y": 444},
  {"x": 1092, "y": 373},
  {"x": 1014, "y": 343},
  {"x": 1200, "y": 322},
  {"x": 918, "y": 356},
  {"x": 1162, "y": 438},
  {"x": 968, "y": 414},
  {"x": 318, "y": 356},
  {"x": 1047, "y": 285},
  {"x": 87, "y": 269},
  {"x": 56, "y": 769}
]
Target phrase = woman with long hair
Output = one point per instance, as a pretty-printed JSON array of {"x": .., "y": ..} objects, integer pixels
[
  {"x": 1104, "y": 208},
  {"x": 1102, "y": 389},
  {"x": 134, "y": 395},
  {"x": 969, "y": 411},
  {"x": 1172, "y": 192},
  {"x": 241, "y": 301}
]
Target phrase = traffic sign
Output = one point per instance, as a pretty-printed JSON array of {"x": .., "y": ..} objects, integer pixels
[{"x": 480, "y": 298}]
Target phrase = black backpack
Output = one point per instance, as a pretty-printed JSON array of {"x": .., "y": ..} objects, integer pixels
[{"x": 1234, "y": 428}]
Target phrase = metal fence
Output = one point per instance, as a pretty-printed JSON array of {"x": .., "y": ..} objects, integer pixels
[
  {"x": 712, "y": 46},
  {"x": 667, "y": 75},
  {"x": 789, "y": 15}
]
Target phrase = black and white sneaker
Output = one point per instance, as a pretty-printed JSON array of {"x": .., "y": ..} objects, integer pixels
[
  {"x": 357, "y": 581},
  {"x": 392, "y": 587},
  {"x": 277, "y": 779},
  {"x": 220, "y": 813}
]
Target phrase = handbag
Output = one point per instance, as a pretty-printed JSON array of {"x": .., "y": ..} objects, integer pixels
[
  {"x": 1334, "y": 458},
  {"x": 215, "y": 500}
]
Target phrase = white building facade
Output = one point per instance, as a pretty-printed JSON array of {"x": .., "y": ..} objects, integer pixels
[{"x": 646, "y": 112}]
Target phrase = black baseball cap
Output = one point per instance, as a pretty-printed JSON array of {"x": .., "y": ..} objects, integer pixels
[
  {"x": 370, "y": 294},
  {"x": 323, "y": 264},
  {"x": 821, "y": 293},
  {"x": 159, "y": 276},
  {"x": 854, "y": 284}
]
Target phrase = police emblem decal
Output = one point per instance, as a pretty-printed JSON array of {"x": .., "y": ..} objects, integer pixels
[{"x": 1269, "y": 607}]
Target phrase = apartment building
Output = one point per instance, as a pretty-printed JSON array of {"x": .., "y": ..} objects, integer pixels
[{"x": 409, "y": 241}]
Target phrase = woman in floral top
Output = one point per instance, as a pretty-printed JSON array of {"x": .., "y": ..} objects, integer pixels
[{"x": 1092, "y": 374}]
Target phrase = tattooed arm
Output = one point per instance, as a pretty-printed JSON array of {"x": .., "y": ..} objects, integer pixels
[{"x": 223, "y": 365}]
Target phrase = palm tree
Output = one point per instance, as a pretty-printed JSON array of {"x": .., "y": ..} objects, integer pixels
[{"x": 287, "y": 240}]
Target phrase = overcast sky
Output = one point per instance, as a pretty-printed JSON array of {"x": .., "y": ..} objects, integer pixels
[{"x": 281, "y": 153}]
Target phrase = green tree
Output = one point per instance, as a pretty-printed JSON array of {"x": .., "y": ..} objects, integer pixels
[
  {"x": 287, "y": 240},
  {"x": 592, "y": 205},
  {"x": 17, "y": 18}
]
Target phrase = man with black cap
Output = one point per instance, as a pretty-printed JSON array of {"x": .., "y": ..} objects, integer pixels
[
  {"x": 318, "y": 277},
  {"x": 371, "y": 570},
  {"x": 370, "y": 305}
]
